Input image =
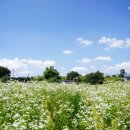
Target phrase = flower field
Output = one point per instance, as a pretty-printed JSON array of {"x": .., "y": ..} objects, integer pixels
[{"x": 44, "y": 106}]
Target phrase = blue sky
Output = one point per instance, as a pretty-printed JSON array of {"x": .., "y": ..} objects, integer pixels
[{"x": 80, "y": 35}]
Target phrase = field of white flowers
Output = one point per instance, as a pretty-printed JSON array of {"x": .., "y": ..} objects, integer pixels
[{"x": 44, "y": 106}]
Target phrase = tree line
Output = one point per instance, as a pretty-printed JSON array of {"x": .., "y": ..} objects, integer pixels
[{"x": 52, "y": 75}]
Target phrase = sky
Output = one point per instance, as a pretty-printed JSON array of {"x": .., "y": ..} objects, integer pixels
[{"x": 79, "y": 35}]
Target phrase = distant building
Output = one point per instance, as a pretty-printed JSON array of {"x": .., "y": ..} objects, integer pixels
[
  {"x": 127, "y": 77},
  {"x": 68, "y": 81}
]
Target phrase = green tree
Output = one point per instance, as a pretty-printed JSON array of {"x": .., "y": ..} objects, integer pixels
[
  {"x": 122, "y": 73},
  {"x": 51, "y": 74},
  {"x": 72, "y": 75},
  {"x": 82, "y": 78},
  {"x": 94, "y": 78},
  {"x": 38, "y": 78},
  {"x": 4, "y": 79},
  {"x": 4, "y": 72}
]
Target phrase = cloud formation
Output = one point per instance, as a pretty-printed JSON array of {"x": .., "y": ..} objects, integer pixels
[
  {"x": 85, "y": 61},
  {"x": 26, "y": 66},
  {"x": 99, "y": 59},
  {"x": 79, "y": 69},
  {"x": 84, "y": 42},
  {"x": 67, "y": 52},
  {"x": 116, "y": 68},
  {"x": 114, "y": 42},
  {"x": 103, "y": 58}
]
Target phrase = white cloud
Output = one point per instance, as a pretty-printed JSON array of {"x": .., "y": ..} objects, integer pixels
[
  {"x": 99, "y": 58},
  {"x": 127, "y": 42},
  {"x": 13, "y": 64},
  {"x": 103, "y": 58},
  {"x": 67, "y": 52},
  {"x": 114, "y": 42},
  {"x": 84, "y": 61},
  {"x": 116, "y": 68},
  {"x": 48, "y": 63},
  {"x": 24, "y": 66},
  {"x": 79, "y": 69},
  {"x": 129, "y": 8},
  {"x": 84, "y": 42}
]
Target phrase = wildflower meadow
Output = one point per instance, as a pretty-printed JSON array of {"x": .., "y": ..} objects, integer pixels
[{"x": 55, "y": 106}]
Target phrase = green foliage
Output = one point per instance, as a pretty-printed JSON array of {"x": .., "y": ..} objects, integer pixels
[
  {"x": 82, "y": 79},
  {"x": 4, "y": 74},
  {"x": 4, "y": 71},
  {"x": 122, "y": 73},
  {"x": 59, "y": 119},
  {"x": 38, "y": 78},
  {"x": 112, "y": 78},
  {"x": 4, "y": 79},
  {"x": 63, "y": 78},
  {"x": 23, "y": 79},
  {"x": 73, "y": 74},
  {"x": 51, "y": 75},
  {"x": 94, "y": 78}
]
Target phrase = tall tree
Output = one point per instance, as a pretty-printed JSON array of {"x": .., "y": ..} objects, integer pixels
[
  {"x": 72, "y": 75},
  {"x": 51, "y": 74},
  {"x": 4, "y": 72},
  {"x": 122, "y": 73},
  {"x": 94, "y": 78}
]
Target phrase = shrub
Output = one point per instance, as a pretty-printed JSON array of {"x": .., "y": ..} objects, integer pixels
[
  {"x": 39, "y": 78},
  {"x": 4, "y": 79}
]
